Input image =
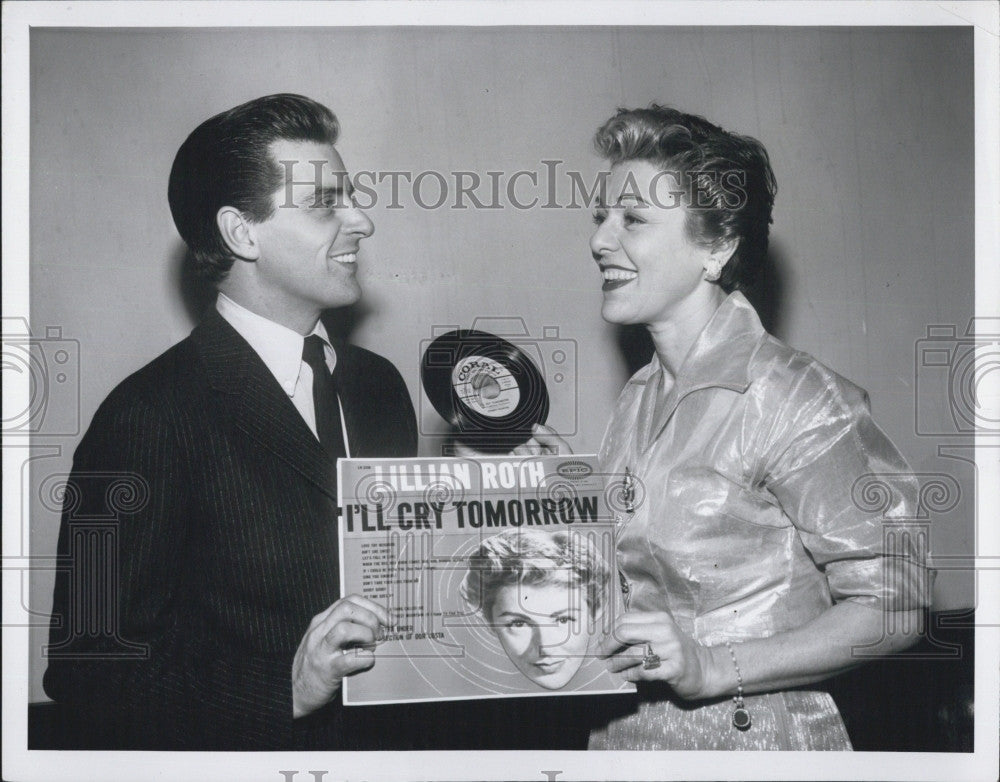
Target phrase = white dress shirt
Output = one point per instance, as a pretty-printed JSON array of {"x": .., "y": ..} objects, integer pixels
[{"x": 280, "y": 348}]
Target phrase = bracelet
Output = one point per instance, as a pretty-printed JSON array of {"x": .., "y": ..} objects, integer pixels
[{"x": 741, "y": 717}]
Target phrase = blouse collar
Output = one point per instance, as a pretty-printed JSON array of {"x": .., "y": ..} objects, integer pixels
[
  {"x": 719, "y": 358},
  {"x": 721, "y": 354}
]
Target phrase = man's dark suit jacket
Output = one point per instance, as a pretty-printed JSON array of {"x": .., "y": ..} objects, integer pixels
[{"x": 215, "y": 511}]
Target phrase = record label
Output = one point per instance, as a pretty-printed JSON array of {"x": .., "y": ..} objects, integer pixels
[
  {"x": 485, "y": 386},
  {"x": 488, "y": 389}
]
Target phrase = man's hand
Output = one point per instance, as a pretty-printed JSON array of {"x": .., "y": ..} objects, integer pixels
[{"x": 340, "y": 641}]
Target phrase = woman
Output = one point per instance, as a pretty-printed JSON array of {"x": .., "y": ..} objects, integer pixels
[
  {"x": 748, "y": 569},
  {"x": 543, "y": 594}
]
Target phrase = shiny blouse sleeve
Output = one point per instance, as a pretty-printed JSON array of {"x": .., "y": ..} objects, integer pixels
[{"x": 848, "y": 491}]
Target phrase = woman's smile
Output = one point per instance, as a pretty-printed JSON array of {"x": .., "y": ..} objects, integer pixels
[{"x": 616, "y": 276}]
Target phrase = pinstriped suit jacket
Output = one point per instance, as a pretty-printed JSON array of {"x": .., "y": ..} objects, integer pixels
[{"x": 220, "y": 556}]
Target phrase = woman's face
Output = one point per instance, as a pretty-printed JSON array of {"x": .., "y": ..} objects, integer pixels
[
  {"x": 649, "y": 265},
  {"x": 543, "y": 629}
]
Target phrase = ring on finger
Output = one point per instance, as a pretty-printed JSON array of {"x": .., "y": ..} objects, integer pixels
[{"x": 650, "y": 659}]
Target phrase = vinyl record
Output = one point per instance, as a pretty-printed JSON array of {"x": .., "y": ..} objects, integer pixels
[{"x": 485, "y": 387}]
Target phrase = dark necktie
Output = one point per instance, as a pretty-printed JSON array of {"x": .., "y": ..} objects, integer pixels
[{"x": 324, "y": 398}]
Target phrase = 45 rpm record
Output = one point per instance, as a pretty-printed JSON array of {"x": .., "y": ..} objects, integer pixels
[{"x": 481, "y": 384}]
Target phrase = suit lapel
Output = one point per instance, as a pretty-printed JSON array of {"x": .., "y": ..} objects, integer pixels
[{"x": 259, "y": 407}]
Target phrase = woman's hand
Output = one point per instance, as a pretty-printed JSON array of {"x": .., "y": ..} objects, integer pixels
[
  {"x": 543, "y": 442},
  {"x": 686, "y": 665}
]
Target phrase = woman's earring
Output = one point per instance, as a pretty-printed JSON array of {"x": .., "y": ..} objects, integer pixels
[{"x": 713, "y": 269}]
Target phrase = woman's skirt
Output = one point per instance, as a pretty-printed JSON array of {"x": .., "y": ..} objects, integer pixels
[{"x": 791, "y": 720}]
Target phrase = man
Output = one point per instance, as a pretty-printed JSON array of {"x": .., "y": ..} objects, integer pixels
[{"x": 230, "y": 631}]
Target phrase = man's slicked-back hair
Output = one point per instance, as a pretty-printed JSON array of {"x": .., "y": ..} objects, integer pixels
[
  {"x": 730, "y": 173},
  {"x": 226, "y": 161}
]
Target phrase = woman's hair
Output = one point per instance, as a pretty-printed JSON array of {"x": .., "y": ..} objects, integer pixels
[
  {"x": 535, "y": 558},
  {"x": 727, "y": 178},
  {"x": 227, "y": 161}
]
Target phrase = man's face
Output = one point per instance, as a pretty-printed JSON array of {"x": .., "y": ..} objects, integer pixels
[{"x": 308, "y": 248}]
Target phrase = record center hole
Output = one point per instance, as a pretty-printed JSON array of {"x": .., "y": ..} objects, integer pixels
[{"x": 486, "y": 386}]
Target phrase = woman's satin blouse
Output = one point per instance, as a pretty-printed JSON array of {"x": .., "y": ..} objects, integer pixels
[{"x": 765, "y": 491}]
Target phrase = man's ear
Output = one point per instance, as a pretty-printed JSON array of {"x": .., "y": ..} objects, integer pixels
[{"x": 238, "y": 233}]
